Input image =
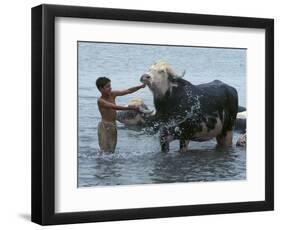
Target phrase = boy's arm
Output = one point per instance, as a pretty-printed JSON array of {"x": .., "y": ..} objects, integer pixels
[
  {"x": 109, "y": 105},
  {"x": 127, "y": 91}
]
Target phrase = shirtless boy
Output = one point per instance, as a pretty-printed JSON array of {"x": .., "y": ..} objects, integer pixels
[{"x": 107, "y": 130}]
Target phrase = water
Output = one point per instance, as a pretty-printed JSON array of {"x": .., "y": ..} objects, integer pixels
[{"x": 138, "y": 159}]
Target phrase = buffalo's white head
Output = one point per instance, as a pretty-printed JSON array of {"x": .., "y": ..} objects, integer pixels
[
  {"x": 140, "y": 104},
  {"x": 135, "y": 118},
  {"x": 160, "y": 78}
]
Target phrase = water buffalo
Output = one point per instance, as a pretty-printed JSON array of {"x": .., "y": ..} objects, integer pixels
[
  {"x": 241, "y": 120},
  {"x": 240, "y": 125},
  {"x": 187, "y": 112},
  {"x": 138, "y": 119},
  {"x": 133, "y": 118},
  {"x": 242, "y": 140}
]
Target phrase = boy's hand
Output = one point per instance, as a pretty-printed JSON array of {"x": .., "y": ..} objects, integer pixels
[
  {"x": 134, "y": 107},
  {"x": 128, "y": 91}
]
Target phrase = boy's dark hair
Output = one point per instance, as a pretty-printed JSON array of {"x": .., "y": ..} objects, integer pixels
[{"x": 101, "y": 82}]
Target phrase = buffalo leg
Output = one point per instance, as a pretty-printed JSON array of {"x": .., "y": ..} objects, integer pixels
[
  {"x": 165, "y": 147},
  {"x": 164, "y": 142},
  {"x": 183, "y": 146},
  {"x": 225, "y": 140}
]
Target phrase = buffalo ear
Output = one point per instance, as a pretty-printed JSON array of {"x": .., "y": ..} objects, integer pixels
[{"x": 172, "y": 78}]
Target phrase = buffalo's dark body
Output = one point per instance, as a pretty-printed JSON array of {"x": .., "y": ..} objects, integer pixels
[{"x": 182, "y": 110}]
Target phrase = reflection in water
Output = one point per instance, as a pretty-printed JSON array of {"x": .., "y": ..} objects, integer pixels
[{"x": 196, "y": 166}]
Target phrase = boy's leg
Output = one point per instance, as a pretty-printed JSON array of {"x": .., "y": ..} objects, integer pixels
[
  {"x": 101, "y": 137},
  {"x": 112, "y": 138},
  {"x": 107, "y": 134}
]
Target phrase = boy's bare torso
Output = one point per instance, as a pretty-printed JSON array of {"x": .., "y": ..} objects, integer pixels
[{"x": 108, "y": 115}]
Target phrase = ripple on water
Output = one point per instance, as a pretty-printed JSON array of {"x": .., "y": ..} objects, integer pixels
[{"x": 137, "y": 167}]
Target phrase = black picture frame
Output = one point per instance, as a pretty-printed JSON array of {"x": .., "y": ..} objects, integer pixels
[{"x": 43, "y": 114}]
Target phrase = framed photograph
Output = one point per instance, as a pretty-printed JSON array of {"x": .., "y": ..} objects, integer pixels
[{"x": 143, "y": 114}]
